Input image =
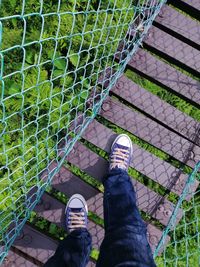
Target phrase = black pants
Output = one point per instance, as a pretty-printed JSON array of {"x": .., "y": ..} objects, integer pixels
[{"x": 125, "y": 242}]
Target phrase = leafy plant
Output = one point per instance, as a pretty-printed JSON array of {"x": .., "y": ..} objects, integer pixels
[{"x": 51, "y": 56}]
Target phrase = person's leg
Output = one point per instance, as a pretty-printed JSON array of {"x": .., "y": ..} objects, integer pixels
[
  {"x": 125, "y": 242},
  {"x": 74, "y": 250}
]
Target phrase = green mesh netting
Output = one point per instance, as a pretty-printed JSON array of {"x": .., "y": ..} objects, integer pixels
[
  {"x": 184, "y": 246},
  {"x": 52, "y": 56}
]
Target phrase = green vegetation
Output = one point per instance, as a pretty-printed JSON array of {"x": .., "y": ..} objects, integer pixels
[{"x": 51, "y": 55}]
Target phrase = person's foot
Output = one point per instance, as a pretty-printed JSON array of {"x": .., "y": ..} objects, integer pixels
[
  {"x": 76, "y": 213},
  {"x": 121, "y": 152}
]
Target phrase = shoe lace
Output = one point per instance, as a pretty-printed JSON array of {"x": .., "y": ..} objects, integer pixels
[
  {"x": 76, "y": 220},
  {"x": 119, "y": 158}
]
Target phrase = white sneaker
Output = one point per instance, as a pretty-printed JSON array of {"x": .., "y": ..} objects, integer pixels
[
  {"x": 76, "y": 213},
  {"x": 121, "y": 152}
]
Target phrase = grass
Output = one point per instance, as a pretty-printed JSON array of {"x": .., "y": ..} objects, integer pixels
[{"x": 47, "y": 227}]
